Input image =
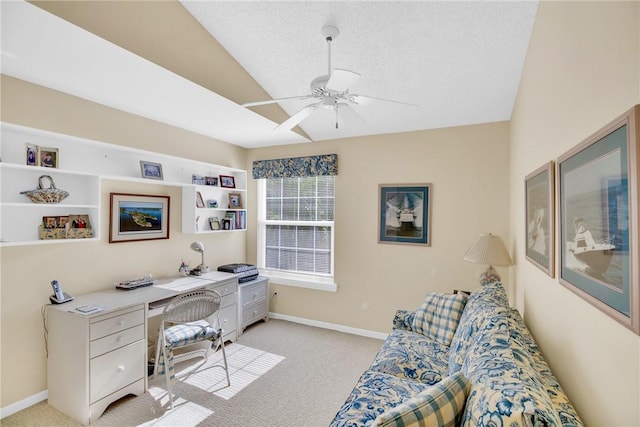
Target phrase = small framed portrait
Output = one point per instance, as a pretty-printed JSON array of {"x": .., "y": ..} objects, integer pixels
[
  {"x": 199, "y": 200},
  {"x": 227, "y": 181},
  {"x": 151, "y": 170},
  {"x": 79, "y": 221},
  {"x": 32, "y": 154},
  {"x": 197, "y": 179},
  {"x": 62, "y": 221},
  {"x": 214, "y": 223},
  {"x": 235, "y": 201},
  {"x": 48, "y": 157},
  {"x": 50, "y": 221},
  {"x": 211, "y": 180}
]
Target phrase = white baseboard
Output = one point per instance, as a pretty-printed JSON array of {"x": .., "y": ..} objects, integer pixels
[
  {"x": 23, "y": 404},
  {"x": 332, "y": 326}
]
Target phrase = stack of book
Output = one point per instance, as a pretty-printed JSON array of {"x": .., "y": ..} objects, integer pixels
[{"x": 235, "y": 220}]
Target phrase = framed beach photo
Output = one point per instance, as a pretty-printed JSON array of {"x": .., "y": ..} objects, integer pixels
[
  {"x": 404, "y": 214},
  {"x": 136, "y": 217},
  {"x": 540, "y": 212},
  {"x": 151, "y": 170},
  {"x": 227, "y": 181},
  {"x": 597, "y": 190}
]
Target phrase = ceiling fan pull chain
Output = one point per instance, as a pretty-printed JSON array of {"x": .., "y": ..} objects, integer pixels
[{"x": 336, "y": 108}]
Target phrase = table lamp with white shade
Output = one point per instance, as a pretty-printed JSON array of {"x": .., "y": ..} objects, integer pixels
[
  {"x": 488, "y": 249},
  {"x": 199, "y": 247}
]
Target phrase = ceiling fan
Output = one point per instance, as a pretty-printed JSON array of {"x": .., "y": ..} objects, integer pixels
[{"x": 330, "y": 91}]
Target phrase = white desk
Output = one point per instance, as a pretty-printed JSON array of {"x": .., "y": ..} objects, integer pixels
[{"x": 98, "y": 358}]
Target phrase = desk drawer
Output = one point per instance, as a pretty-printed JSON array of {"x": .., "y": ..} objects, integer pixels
[
  {"x": 225, "y": 288},
  {"x": 116, "y": 369},
  {"x": 253, "y": 293},
  {"x": 253, "y": 312},
  {"x": 229, "y": 318},
  {"x": 113, "y": 341},
  {"x": 117, "y": 322}
]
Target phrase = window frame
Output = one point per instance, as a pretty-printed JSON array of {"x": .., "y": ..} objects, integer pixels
[{"x": 317, "y": 281}]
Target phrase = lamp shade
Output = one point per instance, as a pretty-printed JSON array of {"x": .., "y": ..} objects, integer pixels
[{"x": 488, "y": 249}]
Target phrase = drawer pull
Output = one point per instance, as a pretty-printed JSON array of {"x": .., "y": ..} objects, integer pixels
[
  {"x": 120, "y": 322},
  {"x": 119, "y": 339},
  {"x": 255, "y": 295},
  {"x": 120, "y": 369}
]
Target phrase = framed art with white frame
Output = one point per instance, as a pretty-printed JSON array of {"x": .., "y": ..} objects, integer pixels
[
  {"x": 540, "y": 212},
  {"x": 597, "y": 193}
]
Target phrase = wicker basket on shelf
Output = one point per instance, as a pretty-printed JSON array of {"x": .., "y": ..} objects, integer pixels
[{"x": 46, "y": 195}]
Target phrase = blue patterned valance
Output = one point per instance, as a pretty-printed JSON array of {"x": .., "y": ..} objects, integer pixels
[{"x": 323, "y": 165}]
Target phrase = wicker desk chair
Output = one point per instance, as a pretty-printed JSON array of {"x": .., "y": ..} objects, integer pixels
[{"x": 184, "y": 322}]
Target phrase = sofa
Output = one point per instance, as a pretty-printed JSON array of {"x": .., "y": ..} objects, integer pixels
[{"x": 459, "y": 359}]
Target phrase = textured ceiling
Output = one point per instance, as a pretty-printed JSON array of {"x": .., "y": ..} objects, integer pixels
[{"x": 459, "y": 62}]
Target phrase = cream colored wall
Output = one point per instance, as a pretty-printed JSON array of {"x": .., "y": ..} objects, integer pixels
[
  {"x": 468, "y": 168},
  {"x": 83, "y": 267},
  {"x": 582, "y": 70}
]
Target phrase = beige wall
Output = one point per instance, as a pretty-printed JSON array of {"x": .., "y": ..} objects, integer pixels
[
  {"x": 468, "y": 168},
  {"x": 84, "y": 267},
  {"x": 582, "y": 71}
]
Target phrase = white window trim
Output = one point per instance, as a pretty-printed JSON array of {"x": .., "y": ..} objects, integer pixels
[{"x": 319, "y": 282}]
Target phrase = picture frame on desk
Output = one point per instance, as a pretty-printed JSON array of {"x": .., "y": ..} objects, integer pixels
[{"x": 135, "y": 217}]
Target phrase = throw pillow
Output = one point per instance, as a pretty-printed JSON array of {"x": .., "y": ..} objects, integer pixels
[
  {"x": 438, "y": 316},
  {"x": 438, "y": 406}
]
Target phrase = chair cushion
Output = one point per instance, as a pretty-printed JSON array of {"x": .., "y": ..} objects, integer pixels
[
  {"x": 188, "y": 333},
  {"x": 438, "y": 316},
  {"x": 440, "y": 405}
]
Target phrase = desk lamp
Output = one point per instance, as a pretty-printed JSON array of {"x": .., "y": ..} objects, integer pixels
[
  {"x": 199, "y": 247},
  {"x": 488, "y": 249}
]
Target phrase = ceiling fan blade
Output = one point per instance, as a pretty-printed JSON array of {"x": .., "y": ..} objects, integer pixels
[
  {"x": 292, "y": 121},
  {"x": 274, "y": 101},
  {"x": 349, "y": 114},
  {"x": 367, "y": 100},
  {"x": 341, "y": 80}
]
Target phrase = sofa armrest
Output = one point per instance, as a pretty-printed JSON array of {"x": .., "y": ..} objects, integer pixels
[{"x": 403, "y": 319}]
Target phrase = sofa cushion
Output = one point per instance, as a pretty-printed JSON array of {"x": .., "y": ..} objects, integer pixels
[
  {"x": 410, "y": 355},
  {"x": 438, "y": 316},
  {"x": 440, "y": 405},
  {"x": 374, "y": 394}
]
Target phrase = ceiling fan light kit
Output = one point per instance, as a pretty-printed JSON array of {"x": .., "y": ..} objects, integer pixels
[{"x": 330, "y": 91}]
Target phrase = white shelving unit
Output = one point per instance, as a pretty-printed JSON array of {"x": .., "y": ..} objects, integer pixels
[
  {"x": 82, "y": 164},
  {"x": 196, "y": 220}
]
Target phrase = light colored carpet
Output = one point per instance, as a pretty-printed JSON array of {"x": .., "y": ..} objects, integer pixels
[{"x": 282, "y": 374}]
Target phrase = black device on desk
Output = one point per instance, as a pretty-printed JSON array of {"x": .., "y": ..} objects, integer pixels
[
  {"x": 245, "y": 272},
  {"x": 58, "y": 296}
]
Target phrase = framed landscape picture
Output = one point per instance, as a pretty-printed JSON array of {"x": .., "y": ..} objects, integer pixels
[
  {"x": 540, "y": 211},
  {"x": 598, "y": 218},
  {"x": 404, "y": 214},
  {"x": 136, "y": 217}
]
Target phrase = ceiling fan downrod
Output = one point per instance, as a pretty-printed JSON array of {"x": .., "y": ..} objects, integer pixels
[{"x": 330, "y": 32}]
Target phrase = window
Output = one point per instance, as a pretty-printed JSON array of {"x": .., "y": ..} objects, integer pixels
[{"x": 296, "y": 228}]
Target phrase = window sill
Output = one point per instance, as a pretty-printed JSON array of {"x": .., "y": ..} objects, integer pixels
[{"x": 301, "y": 280}]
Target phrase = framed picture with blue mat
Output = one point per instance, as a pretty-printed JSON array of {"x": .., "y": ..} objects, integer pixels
[{"x": 404, "y": 215}]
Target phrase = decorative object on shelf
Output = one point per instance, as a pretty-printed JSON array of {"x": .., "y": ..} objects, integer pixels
[
  {"x": 197, "y": 179},
  {"x": 48, "y": 157},
  {"x": 211, "y": 180},
  {"x": 540, "y": 212},
  {"x": 227, "y": 181},
  {"x": 32, "y": 155},
  {"x": 598, "y": 192},
  {"x": 46, "y": 195},
  {"x": 151, "y": 170},
  {"x": 199, "y": 200},
  {"x": 138, "y": 217},
  {"x": 65, "y": 227},
  {"x": 404, "y": 214},
  {"x": 213, "y": 204},
  {"x": 183, "y": 270},
  {"x": 214, "y": 223},
  {"x": 199, "y": 247},
  {"x": 488, "y": 249},
  {"x": 235, "y": 201}
]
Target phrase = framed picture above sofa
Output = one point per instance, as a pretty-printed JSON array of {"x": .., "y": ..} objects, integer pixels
[
  {"x": 597, "y": 190},
  {"x": 404, "y": 215},
  {"x": 540, "y": 211}
]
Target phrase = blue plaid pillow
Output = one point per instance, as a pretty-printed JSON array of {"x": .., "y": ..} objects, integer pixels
[
  {"x": 439, "y": 315},
  {"x": 438, "y": 406}
]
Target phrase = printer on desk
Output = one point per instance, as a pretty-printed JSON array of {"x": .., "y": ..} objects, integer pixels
[{"x": 245, "y": 272}]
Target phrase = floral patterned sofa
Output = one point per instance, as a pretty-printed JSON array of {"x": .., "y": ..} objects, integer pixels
[{"x": 459, "y": 360}]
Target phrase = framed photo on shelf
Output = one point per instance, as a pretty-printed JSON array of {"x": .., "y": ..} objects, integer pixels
[
  {"x": 235, "y": 201},
  {"x": 151, "y": 170},
  {"x": 540, "y": 212},
  {"x": 597, "y": 190},
  {"x": 227, "y": 181},
  {"x": 211, "y": 180},
  {"x": 199, "y": 200},
  {"x": 32, "y": 155},
  {"x": 404, "y": 214},
  {"x": 135, "y": 217},
  {"x": 197, "y": 179},
  {"x": 48, "y": 157}
]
